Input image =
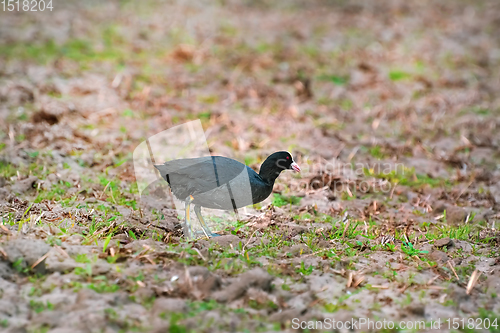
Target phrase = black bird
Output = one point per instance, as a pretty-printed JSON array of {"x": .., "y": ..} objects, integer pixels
[{"x": 222, "y": 183}]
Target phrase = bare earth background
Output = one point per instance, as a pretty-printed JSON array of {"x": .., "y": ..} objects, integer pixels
[{"x": 363, "y": 83}]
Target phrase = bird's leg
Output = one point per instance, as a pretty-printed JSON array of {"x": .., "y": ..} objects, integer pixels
[
  {"x": 188, "y": 232},
  {"x": 206, "y": 229},
  {"x": 237, "y": 214}
]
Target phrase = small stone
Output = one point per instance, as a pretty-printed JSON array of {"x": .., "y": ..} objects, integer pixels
[
  {"x": 24, "y": 185},
  {"x": 323, "y": 244},
  {"x": 54, "y": 230},
  {"x": 225, "y": 240},
  {"x": 468, "y": 307},
  {"x": 52, "y": 178},
  {"x": 286, "y": 315},
  {"x": 46, "y": 185},
  {"x": 455, "y": 215},
  {"x": 426, "y": 247},
  {"x": 416, "y": 309},
  {"x": 88, "y": 158},
  {"x": 443, "y": 242},
  {"x": 126, "y": 212},
  {"x": 4, "y": 194},
  {"x": 299, "y": 249},
  {"x": 395, "y": 266},
  {"x": 168, "y": 305},
  {"x": 100, "y": 269},
  {"x": 28, "y": 251},
  {"x": 5, "y": 271},
  {"x": 438, "y": 256},
  {"x": 465, "y": 246},
  {"x": 493, "y": 284},
  {"x": 436, "y": 311},
  {"x": 74, "y": 239},
  {"x": 55, "y": 263},
  {"x": 256, "y": 278}
]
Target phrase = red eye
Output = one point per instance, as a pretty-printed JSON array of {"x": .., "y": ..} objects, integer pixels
[{"x": 288, "y": 157}]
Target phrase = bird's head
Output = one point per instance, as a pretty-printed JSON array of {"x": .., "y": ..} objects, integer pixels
[{"x": 277, "y": 162}]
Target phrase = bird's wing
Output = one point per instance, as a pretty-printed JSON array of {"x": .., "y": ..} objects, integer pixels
[
  {"x": 199, "y": 175},
  {"x": 236, "y": 193}
]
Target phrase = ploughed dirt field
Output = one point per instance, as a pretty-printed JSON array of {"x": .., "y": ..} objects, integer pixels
[{"x": 391, "y": 108}]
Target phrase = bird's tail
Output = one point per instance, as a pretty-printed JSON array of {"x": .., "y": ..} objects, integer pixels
[{"x": 163, "y": 171}]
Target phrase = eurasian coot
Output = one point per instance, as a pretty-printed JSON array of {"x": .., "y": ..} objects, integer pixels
[{"x": 222, "y": 183}]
